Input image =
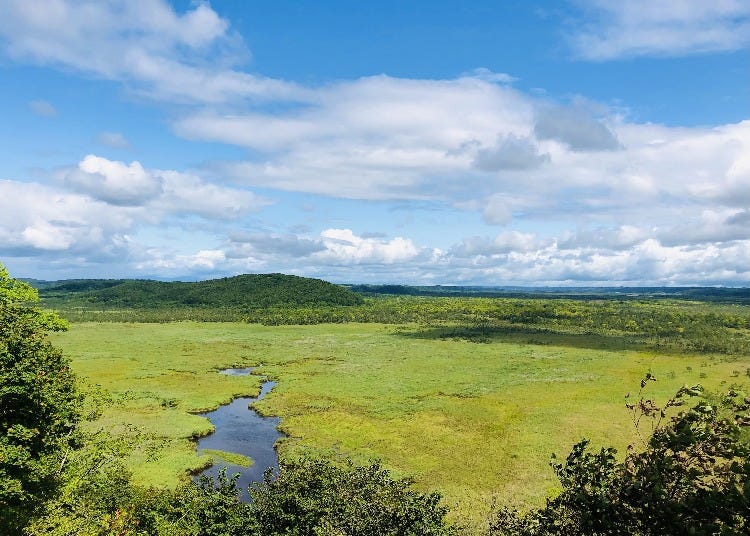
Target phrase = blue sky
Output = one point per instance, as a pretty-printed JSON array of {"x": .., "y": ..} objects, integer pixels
[{"x": 581, "y": 142}]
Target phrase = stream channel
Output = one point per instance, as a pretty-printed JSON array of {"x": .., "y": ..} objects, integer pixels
[{"x": 240, "y": 429}]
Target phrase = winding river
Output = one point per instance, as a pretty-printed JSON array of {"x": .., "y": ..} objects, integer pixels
[{"x": 240, "y": 429}]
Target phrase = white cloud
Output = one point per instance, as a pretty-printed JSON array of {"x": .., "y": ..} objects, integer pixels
[
  {"x": 575, "y": 128},
  {"x": 506, "y": 242},
  {"x": 344, "y": 247},
  {"x": 114, "y": 182},
  {"x": 146, "y": 44},
  {"x": 332, "y": 252},
  {"x": 484, "y": 73},
  {"x": 620, "y": 29},
  {"x": 43, "y": 108},
  {"x": 549, "y": 262},
  {"x": 510, "y": 258},
  {"x": 273, "y": 246},
  {"x": 464, "y": 140},
  {"x": 161, "y": 262},
  {"x": 619, "y": 238},
  {"x": 510, "y": 153},
  {"x": 162, "y": 191},
  {"x": 713, "y": 247},
  {"x": 42, "y": 234},
  {"x": 620, "y": 201},
  {"x": 373, "y": 138},
  {"x": 189, "y": 194},
  {"x": 36, "y": 218}
]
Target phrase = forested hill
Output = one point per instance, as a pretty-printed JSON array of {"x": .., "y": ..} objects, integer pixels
[{"x": 242, "y": 291}]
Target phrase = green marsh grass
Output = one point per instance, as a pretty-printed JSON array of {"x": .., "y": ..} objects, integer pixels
[
  {"x": 475, "y": 421},
  {"x": 232, "y": 458}
]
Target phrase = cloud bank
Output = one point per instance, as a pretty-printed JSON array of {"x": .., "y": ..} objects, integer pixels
[
  {"x": 645, "y": 28},
  {"x": 559, "y": 191}
]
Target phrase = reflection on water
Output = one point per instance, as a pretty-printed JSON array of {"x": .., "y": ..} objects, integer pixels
[
  {"x": 237, "y": 371},
  {"x": 240, "y": 429}
]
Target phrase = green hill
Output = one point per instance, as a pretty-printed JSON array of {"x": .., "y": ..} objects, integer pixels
[{"x": 243, "y": 291}]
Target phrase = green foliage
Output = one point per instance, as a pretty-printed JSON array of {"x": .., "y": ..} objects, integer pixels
[
  {"x": 310, "y": 498},
  {"x": 656, "y": 323},
  {"x": 317, "y": 497},
  {"x": 206, "y": 508},
  {"x": 692, "y": 478},
  {"x": 39, "y": 405},
  {"x": 232, "y": 458},
  {"x": 242, "y": 292}
]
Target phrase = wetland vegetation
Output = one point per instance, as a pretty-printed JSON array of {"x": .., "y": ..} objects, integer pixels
[{"x": 466, "y": 396}]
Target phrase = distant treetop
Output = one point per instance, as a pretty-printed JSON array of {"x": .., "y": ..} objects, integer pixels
[{"x": 243, "y": 291}]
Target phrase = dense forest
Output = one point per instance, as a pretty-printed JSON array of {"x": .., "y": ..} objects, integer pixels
[{"x": 250, "y": 291}]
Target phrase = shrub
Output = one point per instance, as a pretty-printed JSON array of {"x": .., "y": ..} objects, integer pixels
[
  {"x": 39, "y": 405},
  {"x": 692, "y": 478},
  {"x": 316, "y": 497}
]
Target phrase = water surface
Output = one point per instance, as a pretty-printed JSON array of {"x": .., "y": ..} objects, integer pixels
[{"x": 241, "y": 429}]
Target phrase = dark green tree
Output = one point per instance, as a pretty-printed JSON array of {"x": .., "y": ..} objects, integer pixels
[
  {"x": 316, "y": 497},
  {"x": 39, "y": 405}
]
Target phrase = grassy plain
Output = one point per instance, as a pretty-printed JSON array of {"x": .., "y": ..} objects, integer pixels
[{"x": 475, "y": 421}]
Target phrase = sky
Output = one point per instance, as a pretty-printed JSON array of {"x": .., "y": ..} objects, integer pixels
[{"x": 561, "y": 143}]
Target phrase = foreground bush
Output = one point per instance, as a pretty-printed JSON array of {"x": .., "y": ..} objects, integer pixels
[
  {"x": 309, "y": 498},
  {"x": 315, "y": 497},
  {"x": 39, "y": 406},
  {"x": 693, "y": 478}
]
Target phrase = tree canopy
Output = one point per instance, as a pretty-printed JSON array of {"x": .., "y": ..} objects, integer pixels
[{"x": 39, "y": 404}]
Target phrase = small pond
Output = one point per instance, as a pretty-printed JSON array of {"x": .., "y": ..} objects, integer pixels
[{"x": 242, "y": 430}]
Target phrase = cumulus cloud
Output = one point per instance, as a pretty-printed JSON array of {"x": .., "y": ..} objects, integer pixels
[
  {"x": 575, "y": 128},
  {"x": 603, "y": 238},
  {"x": 114, "y": 182},
  {"x": 203, "y": 261},
  {"x": 372, "y": 138},
  {"x": 713, "y": 247},
  {"x": 185, "y": 193},
  {"x": 510, "y": 153},
  {"x": 35, "y": 218},
  {"x": 645, "y": 28},
  {"x": 275, "y": 245},
  {"x": 509, "y": 258},
  {"x": 344, "y": 247},
  {"x": 648, "y": 262},
  {"x": 630, "y": 202},
  {"x": 331, "y": 254},
  {"x": 43, "y": 108},
  {"x": 709, "y": 226},
  {"x": 503, "y": 243},
  {"x": 188, "y": 56},
  {"x": 169, "y": 191},
  {"x": 387, "y": 138},
  {"x": 484, "y": 147}
]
